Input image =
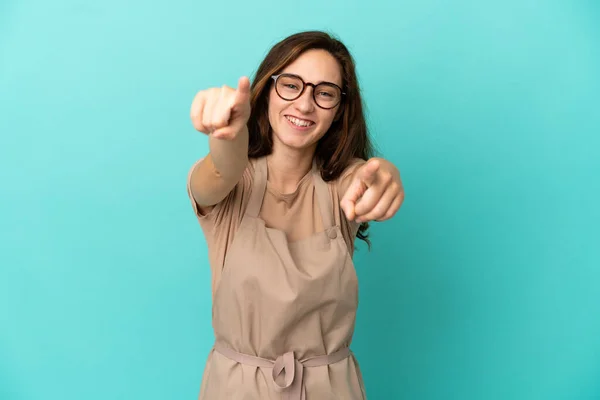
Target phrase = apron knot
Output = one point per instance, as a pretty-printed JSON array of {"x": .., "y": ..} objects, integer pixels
[
  {"x": 293, "y": 372},
  {"x": 286, "y": 368}
]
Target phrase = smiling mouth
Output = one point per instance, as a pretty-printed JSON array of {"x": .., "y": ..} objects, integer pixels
[{"x": 299, "y": 122}]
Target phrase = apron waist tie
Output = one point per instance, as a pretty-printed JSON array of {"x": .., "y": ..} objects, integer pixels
[{"x": 286, "y": 364}]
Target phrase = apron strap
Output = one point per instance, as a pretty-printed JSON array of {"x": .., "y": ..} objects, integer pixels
[
  {"x": 258, "y": 188},
  {"x": 285, "y": 367},
  {"x": 323, "y": 197}
]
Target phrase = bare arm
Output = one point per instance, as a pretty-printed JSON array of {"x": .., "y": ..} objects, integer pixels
[
  {"x": 222, "y": 114},
  {"x": 218, "y": 173}
]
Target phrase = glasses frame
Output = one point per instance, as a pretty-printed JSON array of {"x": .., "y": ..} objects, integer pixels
[{"x": 304, "y": 85}]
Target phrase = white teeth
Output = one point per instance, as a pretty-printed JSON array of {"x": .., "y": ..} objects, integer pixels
[{"x": 299, "y": 122}]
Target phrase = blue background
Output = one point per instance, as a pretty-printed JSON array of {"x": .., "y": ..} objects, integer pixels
[{"x": 484, "y": 286}]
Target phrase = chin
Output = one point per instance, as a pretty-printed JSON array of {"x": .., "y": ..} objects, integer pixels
[{"x": 296, "y": 141}]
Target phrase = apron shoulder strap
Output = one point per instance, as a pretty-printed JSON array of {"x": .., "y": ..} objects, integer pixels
[
  {"x": 323, "y": 197},
  {"x": 258, "y": 187}
]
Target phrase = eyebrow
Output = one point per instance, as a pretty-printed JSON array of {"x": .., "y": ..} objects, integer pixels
[{"x": 316, "y": 83}]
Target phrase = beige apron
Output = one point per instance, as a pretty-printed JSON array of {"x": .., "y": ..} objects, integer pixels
[{"x": 284, "y": 312}]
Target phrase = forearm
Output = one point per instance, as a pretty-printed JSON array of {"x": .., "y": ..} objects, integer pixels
[
  {"x": 230, "y": 157},
  {"x": 218, "y": 173}
]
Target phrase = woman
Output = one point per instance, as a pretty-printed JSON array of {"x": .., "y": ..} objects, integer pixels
[{"x": 286, "y": 187}]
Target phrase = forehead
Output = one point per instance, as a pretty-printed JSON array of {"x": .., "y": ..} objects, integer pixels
[{"x": 316, "y": 66}]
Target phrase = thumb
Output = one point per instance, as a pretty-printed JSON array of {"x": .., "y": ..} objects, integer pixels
[
  {"x": 242, "y": 93},
  {"x": 353, "y": 193},
  {"x": 365, "y": 176}
]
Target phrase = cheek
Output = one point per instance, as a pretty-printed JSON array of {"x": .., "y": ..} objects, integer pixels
[
  {"x": 272, "y": 113},
  {"x": 274, "y": 109},
  {"x": 326, "y": 119}
]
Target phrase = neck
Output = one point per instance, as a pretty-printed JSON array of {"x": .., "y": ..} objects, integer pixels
[{"x": 287, "y": 167}]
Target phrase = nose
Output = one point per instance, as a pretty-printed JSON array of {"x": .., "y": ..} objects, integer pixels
[{"x": 305, "y": 103}]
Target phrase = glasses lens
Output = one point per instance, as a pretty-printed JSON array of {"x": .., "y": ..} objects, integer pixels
[
  {"x": 327, "y": 96},
  {"x": 289, "y": 87}
]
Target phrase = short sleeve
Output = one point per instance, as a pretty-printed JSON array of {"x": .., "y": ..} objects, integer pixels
[
  {"x": 343, "y": 182},
  {"x": 201, "y": 212}
]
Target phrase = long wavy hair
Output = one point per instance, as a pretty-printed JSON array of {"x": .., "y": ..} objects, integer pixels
[{"x": 347, "y": 138}]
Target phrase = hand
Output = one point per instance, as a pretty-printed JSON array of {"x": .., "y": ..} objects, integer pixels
[
  {"x": 375, "y": 193},
  {"x": 222, "y": 112}
]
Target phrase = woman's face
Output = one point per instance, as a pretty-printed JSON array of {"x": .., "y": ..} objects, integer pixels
[{"x": 300, "y": 123}]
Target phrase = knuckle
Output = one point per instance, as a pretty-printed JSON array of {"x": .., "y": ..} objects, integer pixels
[
  {"x": 198, "y": 96},
  {"x": 378, "y": 216},
  {"x": 226, "y": 134},
  {"x": 225, "y": 92},
  {"x": 197, "y": 125},
  {"x": 401, "y": 195},
  {"x": 379, "y": 211}
]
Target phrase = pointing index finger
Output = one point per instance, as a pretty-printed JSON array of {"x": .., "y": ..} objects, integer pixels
[{"x": 243, "y": 90}]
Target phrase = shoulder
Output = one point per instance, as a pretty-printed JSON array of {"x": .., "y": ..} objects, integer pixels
[{"x": 237, "y": 197}]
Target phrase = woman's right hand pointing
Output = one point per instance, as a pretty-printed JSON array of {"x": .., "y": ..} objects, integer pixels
[{"x": 222, "y": 112}]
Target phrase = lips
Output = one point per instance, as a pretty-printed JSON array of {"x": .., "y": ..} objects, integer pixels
[{"x": 300, "y": 122}]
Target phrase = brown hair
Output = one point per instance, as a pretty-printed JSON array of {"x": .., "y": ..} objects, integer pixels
[{"x": 347, "y": 138}]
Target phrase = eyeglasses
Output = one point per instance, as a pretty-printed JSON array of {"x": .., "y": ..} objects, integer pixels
[{"x": 289, "y": 87}]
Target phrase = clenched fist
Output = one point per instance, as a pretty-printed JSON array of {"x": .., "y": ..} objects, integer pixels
[{"x": 222, "y": 112}]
